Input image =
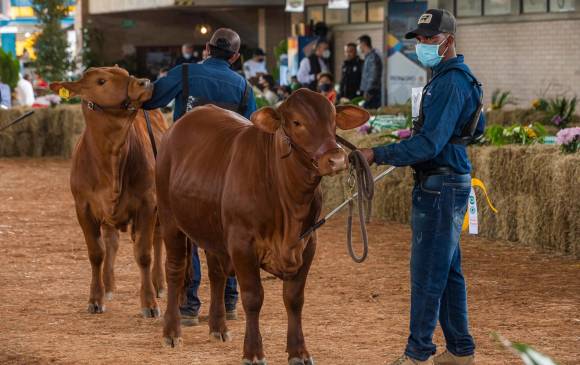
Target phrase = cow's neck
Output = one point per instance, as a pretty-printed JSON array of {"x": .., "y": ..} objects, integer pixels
[{"x": 108, "y": 134}]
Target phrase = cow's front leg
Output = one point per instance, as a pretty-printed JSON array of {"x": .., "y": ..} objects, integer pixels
[
  {"x": 96, "y": 250},
  {"x": 142, "y": 249},
  {"x": 111, "y": 238},
  {"x": 248, "y": 273},
  {"x": 218, "y": 329},
  {"x": 294, "y": 301}
]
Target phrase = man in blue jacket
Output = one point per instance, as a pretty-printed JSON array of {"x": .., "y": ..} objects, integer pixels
[
  {"x": 191, "y": 85},
  {"x": 449, "y": 118}
]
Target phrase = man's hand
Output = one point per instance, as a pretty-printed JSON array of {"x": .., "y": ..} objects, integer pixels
[{"x": 368, "y": 154}]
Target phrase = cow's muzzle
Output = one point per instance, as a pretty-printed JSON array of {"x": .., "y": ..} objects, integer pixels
[{"x": 332, "y": 161}]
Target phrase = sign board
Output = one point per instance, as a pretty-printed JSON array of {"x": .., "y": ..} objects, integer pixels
[
  {"x": 338, "y": 4},
  {"x": 295, "y": 6},
  {"x": 114, "y": 6}
]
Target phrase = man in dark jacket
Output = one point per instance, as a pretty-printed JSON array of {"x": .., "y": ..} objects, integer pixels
[
  {"x": 449, "y": 118},
  {"x": 372, "y": 73},
  {"x": 210, "y": 82},
  {"x": 351, "y": 73}
]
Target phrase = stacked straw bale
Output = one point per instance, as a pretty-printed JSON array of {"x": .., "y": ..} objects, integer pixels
[
  {"x": 536, "y": 190},
  {"x": 48, "y": 132}
]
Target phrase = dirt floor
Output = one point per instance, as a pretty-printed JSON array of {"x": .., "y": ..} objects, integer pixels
[{"x": 354, "y": 314}]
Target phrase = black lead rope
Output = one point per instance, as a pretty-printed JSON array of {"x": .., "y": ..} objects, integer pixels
[
  {"x": 150, "y": 132},
  {"x": 366, "y": 188}
]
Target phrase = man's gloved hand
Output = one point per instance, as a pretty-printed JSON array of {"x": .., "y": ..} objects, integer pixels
[{"x": 368, "y": 154}]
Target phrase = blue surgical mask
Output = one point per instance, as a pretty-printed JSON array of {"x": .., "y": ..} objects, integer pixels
[{"x": 428, "y": 54}]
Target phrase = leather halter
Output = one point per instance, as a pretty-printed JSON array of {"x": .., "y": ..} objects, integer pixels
[
  {"x": 313, "y": 159},
  {"x": 125, "y": 105}
]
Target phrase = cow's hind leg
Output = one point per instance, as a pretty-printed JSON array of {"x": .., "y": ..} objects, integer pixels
[
  {"x": 142, "y": 248},
  {"x": 175, "y": 269},
  {"x": 217, "y": 311},
  {"x": 158, "y": 276},
  {"x": 247, "y": 270},
  {"x": 96, "y": 250},
  {"x": 111, "y": 238},
  {"x": 294, "y": 301}
]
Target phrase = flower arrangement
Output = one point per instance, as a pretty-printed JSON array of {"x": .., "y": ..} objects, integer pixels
[
  {"x": 569, "y": 139},
  {"x": 497, "y": 135},
  {"x": 559, "y": 111}
]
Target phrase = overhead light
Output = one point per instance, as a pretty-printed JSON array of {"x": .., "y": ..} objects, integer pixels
[
  {"x": 203, "y": 29},
  {"x": 27, "y": 34}
]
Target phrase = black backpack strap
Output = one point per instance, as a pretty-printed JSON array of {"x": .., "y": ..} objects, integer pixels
[
  {"x": 244, "y": 102},
  {"x": 184, "y": 87}
]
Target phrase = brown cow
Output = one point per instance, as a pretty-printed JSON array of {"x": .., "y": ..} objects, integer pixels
[
  {"x": 112, "y": 180},
  {"x": 244, "y": 193}
]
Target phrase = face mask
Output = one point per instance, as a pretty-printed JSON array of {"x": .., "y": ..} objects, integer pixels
[
  {"x": 428, "y": 54},
  {"x": 187, "y": 56},
  {"x": 359, "y": 50},
  {"x": 326, "y": 54},
  {"x": 325, "y": 87}
]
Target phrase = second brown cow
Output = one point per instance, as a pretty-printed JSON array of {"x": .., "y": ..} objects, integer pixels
[{"x": 245, "y": 192}]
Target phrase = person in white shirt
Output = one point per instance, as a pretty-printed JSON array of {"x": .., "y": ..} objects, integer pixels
[
  {"x": 24, "y": 91},
  {"x": 256, "y": 66},
  {"x": 315, "y": 64}
]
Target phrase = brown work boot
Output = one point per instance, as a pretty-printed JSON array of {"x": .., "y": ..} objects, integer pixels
[
  {"x": 447, "y": 358},
  {"x": 189, "y": 320},
  {"x": 232, "y": 315},
  {"x": 406, "y": 360}
]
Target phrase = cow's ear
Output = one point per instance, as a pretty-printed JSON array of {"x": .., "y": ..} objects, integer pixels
[
  {"x": 267, "y": 119},
  {"x": 66, "y": 89},
  {"x": 350, "y": 116}
]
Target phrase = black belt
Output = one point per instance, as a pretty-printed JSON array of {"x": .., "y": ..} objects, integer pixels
[{"x": 422, "y": 175}]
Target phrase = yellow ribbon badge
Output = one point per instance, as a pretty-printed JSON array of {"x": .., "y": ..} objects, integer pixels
[
  {"x": 64, "y": 93},
  {"x": 478, "y": 183}
]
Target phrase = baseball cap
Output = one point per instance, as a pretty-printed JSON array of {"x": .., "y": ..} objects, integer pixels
[
  {"x": 225, "y": 39},
  {"x": 433, "y": 22}
]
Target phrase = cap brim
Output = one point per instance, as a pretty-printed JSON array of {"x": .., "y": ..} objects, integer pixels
[{"x": 423, "y": 32}]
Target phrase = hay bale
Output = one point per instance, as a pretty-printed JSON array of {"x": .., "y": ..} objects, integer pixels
[
  {"x": 48, "y": 132},
  {"x": 535, "y": 189}
]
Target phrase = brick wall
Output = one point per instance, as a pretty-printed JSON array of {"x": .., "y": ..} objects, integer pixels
[{"x": 524, "y": 57}]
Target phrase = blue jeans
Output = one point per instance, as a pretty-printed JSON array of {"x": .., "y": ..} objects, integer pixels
[
  {"x": 438, "y": 289},
  {"x": 193, "y": 303}
]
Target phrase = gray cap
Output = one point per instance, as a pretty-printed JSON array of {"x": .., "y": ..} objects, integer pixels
[
  {"x": 433, "y": 22},
  {"x": 226, "y": 40}
]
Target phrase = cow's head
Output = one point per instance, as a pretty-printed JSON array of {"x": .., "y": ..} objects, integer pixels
[
  {"x": 108, "y": 88},
  {"x": 308, "y": 121}
]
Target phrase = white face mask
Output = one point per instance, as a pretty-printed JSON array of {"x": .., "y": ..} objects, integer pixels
[
  {"x": 359, "y": 50},
  {"x": 326, "y": 54}
]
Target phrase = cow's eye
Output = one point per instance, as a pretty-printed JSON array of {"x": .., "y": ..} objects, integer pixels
[
  {"x": 296, "y": 123},
  {"x": 102, "y": 82}
]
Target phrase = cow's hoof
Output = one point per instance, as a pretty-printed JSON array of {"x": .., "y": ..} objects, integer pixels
[
  {"x": 297, "y": 361},
  {"x": 257, "y": 362},
  {"x": 109, "y": 295},
  {"x": 160, "y": 293},
  {"x": 172, "y": 342},
  {"x": 151, "y": 312},
  {"x": 95, "y": 308},
  {"x": 247, "y": 362},
  {"x": 261, "y": 362},
  {"x": 220, "y": 337}
]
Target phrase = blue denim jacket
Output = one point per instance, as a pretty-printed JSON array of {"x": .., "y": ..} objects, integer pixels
[
  {"x": 212, "y": 80},
  {"x": 372, "y": 72},
  {"x": 449, "y": 104}
]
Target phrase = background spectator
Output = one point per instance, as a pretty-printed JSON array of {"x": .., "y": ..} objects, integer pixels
[
  {"x": 187, "y": 55},
  {"x": 351, "y": 73},
  {"x": 256, "y": 65},
  {"x": 372, "y": 73},
  {"x": 326, "y": 86},
  {"x": 24, "y": 91},
  {"x": 266, "y": 85},
  {"x": 313, "y": 65},
  {"x": 294, "y": 84},
  {"x": 5, "y": 96}
]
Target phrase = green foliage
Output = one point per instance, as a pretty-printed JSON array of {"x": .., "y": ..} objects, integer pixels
[
  {"x": 560, "y": 110},
  {"x": 499, "y": 99},
  {"x": 525, "y": 352},
  {"x": 497, "y": 135},
  {"x": 93, "y": 43},
  {"x": 9, "y": 68},
  {"x": 53, "y": 60}
]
